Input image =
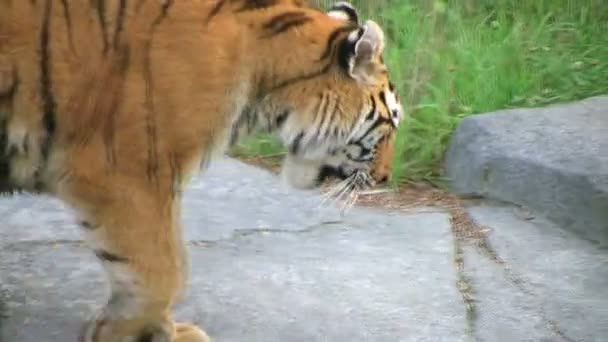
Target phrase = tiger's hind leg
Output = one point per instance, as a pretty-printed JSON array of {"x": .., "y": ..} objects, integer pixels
[
  {"x": 7, "y": 83},
  {"x": 138, "y": 241},
  {"x": 7, "y": 75}
]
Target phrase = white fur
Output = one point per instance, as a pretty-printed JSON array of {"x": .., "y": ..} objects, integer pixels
[
  {"x": 337, "y": 11},
  {"x": 300, "y": 173},
  {"x": 338, "y": 15},
  {"x": 395, "y": 107},
  {"x": 313, "y": 145}
]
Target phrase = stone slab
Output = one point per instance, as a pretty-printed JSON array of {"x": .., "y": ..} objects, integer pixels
[
  {"x": 331, "y": 283},
  {"x": 503, "y": 312},
  {"x": 551, "y": 286},
  {"x": 552, "y": 159},
  {"x": 267, "y": 265}
]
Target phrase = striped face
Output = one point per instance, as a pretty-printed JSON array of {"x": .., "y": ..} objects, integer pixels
[
  {"x": 367, "y": 143},
  {"x": 366, "y": 147}
]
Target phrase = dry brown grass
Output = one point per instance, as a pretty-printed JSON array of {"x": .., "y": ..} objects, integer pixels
[{"x": 407, "y": 197}]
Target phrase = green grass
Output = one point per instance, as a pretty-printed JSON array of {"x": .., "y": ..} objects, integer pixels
[{"x": 451, "y": 59}]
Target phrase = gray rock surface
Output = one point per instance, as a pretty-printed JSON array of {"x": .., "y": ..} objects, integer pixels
[
  {"x": 553, "y": 160},
  {"x": 547, "y": 284},
  {"x": 267, "y": 265}
]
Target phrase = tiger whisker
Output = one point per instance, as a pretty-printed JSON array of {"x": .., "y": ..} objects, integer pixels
[
  {"x": 346, "y": 193},
  {"x": 353, "y": 194},
  {"x": 348, "y": 206},
  {"x": 346, "y": 190},
  {"x": 334, "y": 190},
  {"x": 350, "y": 202},
  {"x": 362, "y": 179}
]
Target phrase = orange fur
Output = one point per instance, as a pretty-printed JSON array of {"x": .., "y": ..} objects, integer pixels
[{"x": 115, "y": 118}]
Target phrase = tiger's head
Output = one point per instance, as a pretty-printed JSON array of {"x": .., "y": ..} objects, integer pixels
[{"x": 346, "y": 110}]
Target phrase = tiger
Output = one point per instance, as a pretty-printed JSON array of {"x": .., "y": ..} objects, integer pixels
[{"x": 113, "y": 106}]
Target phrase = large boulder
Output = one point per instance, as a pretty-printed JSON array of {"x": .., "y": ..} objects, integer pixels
[{"x": 553, "y": 160}]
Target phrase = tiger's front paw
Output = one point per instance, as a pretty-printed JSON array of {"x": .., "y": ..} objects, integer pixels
[
  {"x": 105, "y": 329},
  {"x": 189, "y": 333}
]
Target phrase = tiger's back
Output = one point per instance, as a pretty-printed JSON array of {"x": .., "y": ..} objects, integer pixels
[{"x": 76, "y": 69}]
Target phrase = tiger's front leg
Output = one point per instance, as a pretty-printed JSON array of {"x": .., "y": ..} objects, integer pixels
[{"x": 138, "y": 241}]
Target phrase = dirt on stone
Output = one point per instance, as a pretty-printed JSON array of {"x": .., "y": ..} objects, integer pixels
[{"x": 406, "y": 197}]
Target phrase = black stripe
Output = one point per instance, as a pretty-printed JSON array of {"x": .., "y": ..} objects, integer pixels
[
  {"x": 295, "y": 146},
  {"x": 292, "y": 24},
  {"x": 100, "y": 7},
  {"x": 88, "y": 225},
  {"x": 248, "y": 118},
  {"x": 243, "y": 119},
  {"x": 120, "y": 17},
  {"x": 350, "y": 12},
  {"x": 151, "y": 131},
  {"x": 378, "y": 121},
  {"x": 391, "y": 113},
  {"x": 68, "y": 24},
  {"x": 327, "y": 117},
  {"x": 250, "y": 5},
  {"x": 280, "y": 19},
  {"x": 216, "y": 9},
  {"x": 3, "y": 137},
  {"x": 152, "y": 333},
  {"x": 346, "y": 51},
  {"x": 286, "y": 24},
  {"x": 301, "y": 78},
  {"x": 383, "y": 98},
  {"x": 332, "y": 38},
  {"x": 146, "y": 336},
  {"x": 4, "y": 159},
  {"x": 252, "y": 121},
  {"x": 335, "y": 133},
  {"x": 320, "y": 98},
  {"x": 365, "y": 154},
  {"x": 281, "y": 118},
  {"x": 109, "y": 257},
  {"x": 122, "y": 63},
  {"x": 371, "y": 113},
  {"x": 46, "y": 84},
  {"x": 329, "y": 172},
  {"x": 320, "y": 110},
  {"x": 62, "y": 176}
]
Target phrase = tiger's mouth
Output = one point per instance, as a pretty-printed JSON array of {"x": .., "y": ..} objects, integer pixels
[
  {"x": 345, "y": 193},
  {"x": 341, "y": 184},
  {"x": 328, "y": 172}
]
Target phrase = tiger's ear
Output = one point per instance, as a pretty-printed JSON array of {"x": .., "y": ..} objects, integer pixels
[
  {"x": 360, "y": 49},
  {"x": 345, "y": 11}
]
